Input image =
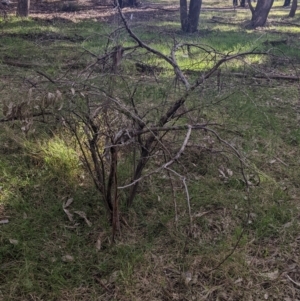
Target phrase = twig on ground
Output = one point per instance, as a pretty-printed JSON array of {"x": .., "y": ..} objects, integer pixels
[{"x": 293, "y": 281}]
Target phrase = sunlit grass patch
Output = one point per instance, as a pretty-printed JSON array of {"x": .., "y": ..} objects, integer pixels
[{"x": 61, "y": 160}]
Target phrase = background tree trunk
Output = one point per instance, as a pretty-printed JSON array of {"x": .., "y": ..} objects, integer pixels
[
  {"x": 190, "y": 19},
  {"x": 183, "y": 15},
  {"x": 293, "y": 8},
  {"x": 260, "y": 13},
  {"x": 194, "y": 13},
  {"x": 23, "y": 8},
  {"x": 287, "y": 3}
]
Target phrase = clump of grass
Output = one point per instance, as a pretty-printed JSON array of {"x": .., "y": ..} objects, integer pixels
[{"x": 61, "y": 160}]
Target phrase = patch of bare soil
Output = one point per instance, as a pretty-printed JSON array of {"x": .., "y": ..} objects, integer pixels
[{"x": 81, "y": 10}]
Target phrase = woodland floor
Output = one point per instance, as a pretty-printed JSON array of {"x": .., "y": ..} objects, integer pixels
[{"x": 44, "y": 256}]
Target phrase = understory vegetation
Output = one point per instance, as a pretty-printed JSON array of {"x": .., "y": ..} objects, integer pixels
[{"x": 214, "y": 212}]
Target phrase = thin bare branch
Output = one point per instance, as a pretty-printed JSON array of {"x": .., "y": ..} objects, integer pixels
[
  {"x": 169, "y": 60},
  {"x": 166, "y": 165}
]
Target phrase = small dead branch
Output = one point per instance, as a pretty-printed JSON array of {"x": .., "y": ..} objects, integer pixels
[
  {"x": 103, "y": 285},
  {"x": 169, "y": 60},
  {"x": 144, "y": 68},
  {"x": 188, "y": 203},
  {"x": 275, "y": 42},
  {"x": 20, "y": 118},
  {"x": 46, "y": 76},
  {"x": 160, "y": 8},
  {"x": 20, "y": 64},
  {"x": 146, "y": 147},
  {"x": 287, "y": 23},
  {"x": 268, "y": 76},
  {"x": 221, "y": 20},
  {"x": 279, "y": 160},
  {"x": 293, "y": 281}
]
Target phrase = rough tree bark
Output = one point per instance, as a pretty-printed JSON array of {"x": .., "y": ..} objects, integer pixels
[
  {"x": 260, "y": 12},
  {"x": 293, "y": 8},
  {"x": 190, "y": 17},
  {"x": 23, "y": 8}
]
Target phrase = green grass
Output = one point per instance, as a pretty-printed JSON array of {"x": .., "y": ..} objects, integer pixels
[{"x": 46, "y": 256}]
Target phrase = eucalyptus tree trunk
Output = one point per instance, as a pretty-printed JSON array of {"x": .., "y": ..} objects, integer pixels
[
  {"x": 293, "y": 8},
  {"x": 23, "y": 8},
  {"x": 190, "y": 17},
  {"x": 260, "y": 12}
]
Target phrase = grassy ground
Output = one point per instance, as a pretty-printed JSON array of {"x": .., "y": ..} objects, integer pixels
[{"x": 46, "y": 255}]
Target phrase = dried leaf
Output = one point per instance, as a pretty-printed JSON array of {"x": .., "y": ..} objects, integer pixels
[
  {"x": 73, "y": 91},
  {"x": 29, "y": 93},
  {"x": 271, "y": 275},
  {"x": 83, "y": 215},
  {"x": 200, "y": 214},
  {"x": 61, "y": 106},
  {"x": 67, "y": 258},
  {"x": 4, "y": 221},
  {"x": 69, "y": 214},
  {"x": 98, "y": 244},
  {"x": 67, "y": 203},
  {"x": 272, "y": 161},
  {"x": 58, "y": 94},
  {"x": 13, "y": 241},
  {"x": 229, "y": 172},
  {"x": 222, "y": 174},
  {"x": 187, "y": 277},
  {"x": 51, "y": 96}
]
